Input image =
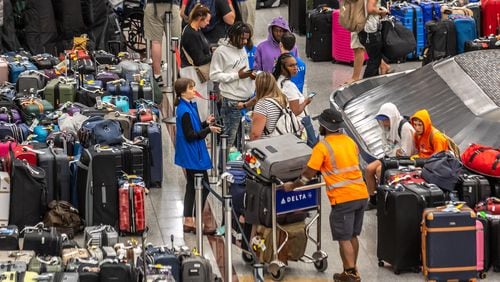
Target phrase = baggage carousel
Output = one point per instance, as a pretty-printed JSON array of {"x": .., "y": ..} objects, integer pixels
[{"x": 462, "y": 94}]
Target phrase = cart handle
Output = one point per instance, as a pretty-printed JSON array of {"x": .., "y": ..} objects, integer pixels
[{"x": 305, "y": 187}]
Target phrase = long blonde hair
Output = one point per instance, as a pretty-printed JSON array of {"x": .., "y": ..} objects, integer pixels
[{"x": 266, "y": 87}]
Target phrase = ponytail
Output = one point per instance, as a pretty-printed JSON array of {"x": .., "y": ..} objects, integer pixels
[{"x": 280, "y": 63}]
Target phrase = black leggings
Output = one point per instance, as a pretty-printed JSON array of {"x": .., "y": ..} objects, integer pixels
[
  {"x": 189, "y": 196},
  {"x": 373, "y": 46}
]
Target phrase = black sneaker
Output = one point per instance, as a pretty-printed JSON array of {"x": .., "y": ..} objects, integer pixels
[{"x": 159, "y": 81}]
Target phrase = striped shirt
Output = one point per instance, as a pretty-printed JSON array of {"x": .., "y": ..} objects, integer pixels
[{"x": 270, "y": 111}]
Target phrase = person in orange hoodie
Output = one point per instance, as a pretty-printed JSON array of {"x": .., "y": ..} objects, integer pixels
[{"x": 428, "y": 140}]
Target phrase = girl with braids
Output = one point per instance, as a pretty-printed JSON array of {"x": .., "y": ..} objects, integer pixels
[
  {"x": 285, "y": 68},
  {"x": 230, "y": 68},
  {"x": 190, "y": 148}
]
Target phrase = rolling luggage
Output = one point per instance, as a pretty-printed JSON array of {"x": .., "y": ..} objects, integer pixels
[
  {"x": 152, "y": 131},
  {"x": 115, "y": 271},
  {"x": 60, "y": 91},
  {"x": 146, "y": 157},
  {"x": 17, "y": 67},
  {"x": 11, "y": 131},
  {"x": 55, "y": 163},
  {"x": 442, "y": 232},
  {"x": 34, "y": 107},
  {"x": 131, "y": 68},
  {"x": 494, "y": 224},
  {"x": 165, "y": 257},
  {"x": 108, "y": 76},
  {"x": 4, "y": 199},
  {"x": 465, "y": 28},
  {"x": 441, "y": 41},
  {"x": 197, "y": 268},
  {"x": 9, "y": 237},
  {"x": 341, "y": 41},
  {"x": 490, "y": 10},
  {"x": 410, "y": 15},
  {"x": 476, "y": 14},
  {"x": 102, "y": 57},
  {"x": 131, "y": 202},
  {"x": 140, "y": 90},
  {"x": 27, "y": 196},
  {"x": 473, "y": 188},
  {"x": 297, "y": 16},
  {"x": 15, "y": 261},
  {"x": 44, "y": 61},
  {"x": 122, "y": 103},
  {"x": 100, "y": 236},
  {"x": 398, "y": 239},
  {"x": 276, "y": 160},
  {"x": 125, "y": 121},
  {"x": 43, "y": 264},
  {"x": 319, "y": 34},
  {"x": 30, "y": 82},
  {"x": 116, "y": 69},
  {"x": 481, "y": 245}
]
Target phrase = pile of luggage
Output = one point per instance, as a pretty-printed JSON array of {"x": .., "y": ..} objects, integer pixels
[
  {"x": 424, "y": 211},
  {"x": 440, "y": 29},
  {"x": 48, "y": 255}
]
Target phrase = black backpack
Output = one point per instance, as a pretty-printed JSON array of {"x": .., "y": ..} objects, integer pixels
[{"x": 401, "y": 123}]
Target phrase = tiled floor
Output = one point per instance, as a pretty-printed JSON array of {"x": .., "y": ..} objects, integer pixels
[{"x": 165, "y": 205}]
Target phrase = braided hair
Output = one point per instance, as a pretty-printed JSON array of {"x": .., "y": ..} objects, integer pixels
[
  {"x": 280, "y": 65},
  {"x": 235, "y": 32}
]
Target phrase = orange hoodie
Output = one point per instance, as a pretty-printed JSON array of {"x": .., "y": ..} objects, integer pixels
[{"x": 422, "y": 142}]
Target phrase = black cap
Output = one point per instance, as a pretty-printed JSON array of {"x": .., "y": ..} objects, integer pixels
[{"x": 330, "y": 119}]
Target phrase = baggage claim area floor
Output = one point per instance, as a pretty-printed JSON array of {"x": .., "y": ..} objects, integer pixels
[{"x": 164, "y": 208}]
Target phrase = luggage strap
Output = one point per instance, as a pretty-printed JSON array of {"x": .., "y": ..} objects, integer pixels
[{"x": 336, "y": 170}]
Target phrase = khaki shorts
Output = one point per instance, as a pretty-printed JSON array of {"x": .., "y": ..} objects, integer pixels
[
  {"x": 355, "y": 44},
  {"x": 154, "y": 25}
]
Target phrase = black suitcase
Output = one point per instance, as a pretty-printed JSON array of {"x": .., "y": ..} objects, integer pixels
[
  {"x": 56, "y": 165},
  {"x": 441, "y": 40},
  {"x": 334, "y": 4},
  {"x": 297, "y": 16},
  {"x": 494, "y": 242},
  {"x": 196, "y": 268},
  {"x": 146, "y": 158},
  {"x": 112, "y": 272},
  {"x": 132, "y": 160},
  {"x": 27, "y": 203},
  {"x": 319, "y": 35},
  {"x": 9, "y": 238},
  {"x": 473, "y": 188},
  {"x": 43, "y": 241}
]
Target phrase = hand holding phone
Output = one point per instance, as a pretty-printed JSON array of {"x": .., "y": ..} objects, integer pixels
[{"x": 311, "y": 95}]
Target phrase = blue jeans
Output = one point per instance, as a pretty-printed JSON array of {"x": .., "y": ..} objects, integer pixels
[{"x": 232, "y": 118}]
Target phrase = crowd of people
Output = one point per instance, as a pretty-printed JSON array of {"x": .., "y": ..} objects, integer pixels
[{"x": 269, "y": 78}]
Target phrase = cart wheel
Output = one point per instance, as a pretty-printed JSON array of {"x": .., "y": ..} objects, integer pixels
[
  {"x": 482, "y": 275},
  {"x": 278, "y": 276},
  {"x": 321, "y": 265},
  {"x": 247, "y": 258},
  {"x": 380, "y": 263}
]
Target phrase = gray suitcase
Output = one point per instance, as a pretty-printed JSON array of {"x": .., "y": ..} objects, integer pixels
[
  {"x": 195, "y": 269},
  {"x": 56, "y": 165},
  {"x": 283, "y": 157},
  {"x": 139, "y": 91},
  {"x": 29, "y": 80},
  {"x": 15, "y": 260}
]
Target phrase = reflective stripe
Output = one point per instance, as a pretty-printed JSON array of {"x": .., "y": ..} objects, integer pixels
[
  {"x": 342, "y": 170},
  {"x": 333, "y": 162},
  {"x": 345, "y": 182}
]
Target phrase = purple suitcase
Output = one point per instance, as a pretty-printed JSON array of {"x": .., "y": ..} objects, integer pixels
[{"x": 106, "y": 77}]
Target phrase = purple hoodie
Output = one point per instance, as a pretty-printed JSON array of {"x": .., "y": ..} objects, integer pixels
[{"x": 269, "y": 50}]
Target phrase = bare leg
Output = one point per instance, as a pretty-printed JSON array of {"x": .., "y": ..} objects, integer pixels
[
  {"x": 384, "y": 67},
  {"x": 372, "y": 172},
  {"x": 348, "y": 254},
  {"x": 359, "y": 58},
  {"x": 156, "y": 57}
]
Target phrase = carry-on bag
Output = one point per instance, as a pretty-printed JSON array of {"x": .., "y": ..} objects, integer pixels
[
  {"x": 398, "y": 41},
  {"x": 5, "y": 189},
  {"x": 55, "y": 163},
  {"x": 125, "y": 121},
  {"x": 18, "y": 67},
  {"x": 43, "y": 264},
  {"x": 490, "y": 9},
  {"x": 9, "y": 237},
  {"x": 276, "y": 160},
  {"x": 10, "y": 115},
  {"x": 473, "y": 188},
  {"x": 34, "y": 107},
  {"x": 410, "y": 15},
  {"x": 59, "y": 91},
  {"x": 441, "y": 41},
  {"x": 116, "y": 69},
  {"x": 482, "y": 159},
  {"x": 104, "y": 77},
  {"x": 442, "y": 169},
  {"x": 104, "y": 58},
  {"x": 140, "y": 90},
  {"x": 319, "y": 34},
  {"x": 122, "y": 103},
  {"x": 163, "y": 256},
  {"x": 16, "y": 261},
  {"x": 64, "y": 218},
  {"x": 119, "y": 88},
  {"x": 490, "y": 205},
  {"x": 30, "y": 82},
  {"x": 443, "y": 229},
  {"x": 197, "y": 268},
  {"x": 465, "y": 28},
  {"x": 43, "y": 241},
  {"x": 44, "y": 61},
  {"x": 116, "y": 271},
  {"x": 341, "y": 41},
  {"x": 152, "y": 131}
]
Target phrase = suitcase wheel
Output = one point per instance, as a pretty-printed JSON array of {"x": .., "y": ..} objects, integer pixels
[
  {"x": 247, "y": 257},
  {"x": 482, "y": 275},
  {"x": 380, "y": 263}
]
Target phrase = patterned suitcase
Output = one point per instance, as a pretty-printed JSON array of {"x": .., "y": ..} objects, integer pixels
[
  {"x": 410, "y": 15},
  {"x": 341, "y": 41}
]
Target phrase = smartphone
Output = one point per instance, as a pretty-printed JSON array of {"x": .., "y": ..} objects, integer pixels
[{"x": 312, "y": 94}]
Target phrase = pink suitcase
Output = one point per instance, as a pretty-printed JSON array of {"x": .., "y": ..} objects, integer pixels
[
  {"x": 480, "y": 247},
  {"x": 341, "y": 41}
]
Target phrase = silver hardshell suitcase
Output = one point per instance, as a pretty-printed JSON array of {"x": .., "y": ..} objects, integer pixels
[{"x": 283, "y": 157}]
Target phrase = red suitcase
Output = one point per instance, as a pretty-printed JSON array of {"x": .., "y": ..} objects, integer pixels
[
  {"x": 341, "y": 41},
  {"x": 131, "y": 206},
  {"x": 25, "y": 152},
  {"x": 490, "y": 16}
]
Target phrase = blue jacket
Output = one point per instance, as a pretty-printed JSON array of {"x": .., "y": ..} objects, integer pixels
[
  {"x": 301, "y": 75},
  {"x": 190, "y": 155}
]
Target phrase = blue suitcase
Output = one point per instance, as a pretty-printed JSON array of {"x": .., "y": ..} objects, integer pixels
[
  {"x": 465, "y": 28},
  {"x": 410, "y": 15},
  {"x": 121, "y": 102},
  {"x": 430, "y": 11},
  {"x": 122, "y": 89},
  {"x": 152, "y": 131},
  {"x": 17, "y": 67}
]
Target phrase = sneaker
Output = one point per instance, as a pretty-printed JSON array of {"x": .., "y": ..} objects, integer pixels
[
  {"x": 346, "y": 277},
  {"x": 160, "y": 82}
]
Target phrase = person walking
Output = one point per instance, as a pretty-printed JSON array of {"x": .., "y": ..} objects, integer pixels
[{"x": 336, "y": 157}]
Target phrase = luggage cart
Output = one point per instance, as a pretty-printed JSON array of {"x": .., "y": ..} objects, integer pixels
[{"x": 304, "y": 198}]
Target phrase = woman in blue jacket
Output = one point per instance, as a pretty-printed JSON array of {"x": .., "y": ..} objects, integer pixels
[{"x": 190, "y": 148}]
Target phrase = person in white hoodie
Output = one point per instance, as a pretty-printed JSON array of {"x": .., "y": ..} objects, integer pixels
[
  {"x": 230, "y": 68},
  {"x": 397, "y": 140}
]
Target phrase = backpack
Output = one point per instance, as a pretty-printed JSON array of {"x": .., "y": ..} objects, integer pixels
[
  {"x": 353, "y": 15},
  {"x": 401, "y": 123},
  {"x": 214, "y": 20},
  {"x": 287, "y": 122},
  {"x": 452, "y": 146}
]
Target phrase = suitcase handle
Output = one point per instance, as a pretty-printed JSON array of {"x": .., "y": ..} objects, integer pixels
[{"x": 258, "y": 153}]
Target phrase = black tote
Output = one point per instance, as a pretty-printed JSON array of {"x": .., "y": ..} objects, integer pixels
[{"x": 398, "y": 40}]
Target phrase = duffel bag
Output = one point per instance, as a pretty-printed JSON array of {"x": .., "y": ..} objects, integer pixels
[
  {"x": 397, "y": 39},
  {"x": 482, "y": 159},
  {"x": 442, "y": 169},
  {"x": 491, "y": 205}
]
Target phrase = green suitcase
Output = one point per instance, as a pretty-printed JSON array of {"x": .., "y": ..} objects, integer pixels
[
  {"x": 59, "y": 91},
  {"x": 34, "y": 107},
  {"x": 45, "y": 264}
]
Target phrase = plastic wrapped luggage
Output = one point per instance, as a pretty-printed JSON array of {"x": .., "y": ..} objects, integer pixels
[
  {"x": 410, "y": 15},
  {"x": 443, "y": 229},
  {"x": 319, "y": 34},
  {"x": 465, "y": 28},
  {"x": 43, "y": 264},
  {"x": 341, "y": 41},
  {"x": 276, "y": 160}
]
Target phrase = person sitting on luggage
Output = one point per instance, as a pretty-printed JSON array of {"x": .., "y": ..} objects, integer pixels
[
  {"x": 428, "y": 140},
  {"x": 397, "y": 140},
  {"x": 190, "y": 148},
  {"x": 269, "y": 50},
  {"x": 336, "y": 156},
  {"x": 286, "y": 46},
  {"x": 371, "y": 38},
  {"x": 266, "y": 113}
]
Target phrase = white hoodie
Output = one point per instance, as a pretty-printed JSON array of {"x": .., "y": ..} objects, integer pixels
[
  {"x": 227, "y": 60},
  {"x": 391, "y": 139}
]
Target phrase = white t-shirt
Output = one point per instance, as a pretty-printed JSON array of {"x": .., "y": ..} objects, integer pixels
[{"x": 291, "y": 92}]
